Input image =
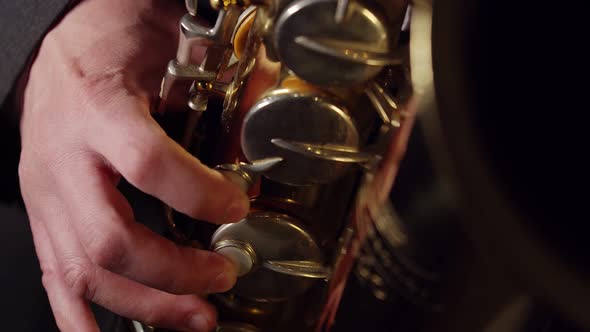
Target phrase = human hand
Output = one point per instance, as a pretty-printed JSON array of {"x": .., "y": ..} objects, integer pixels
[{"x": 86, "y": 122}]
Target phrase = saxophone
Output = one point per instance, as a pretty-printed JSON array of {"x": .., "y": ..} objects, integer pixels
[{"x": 310, "y": 123}]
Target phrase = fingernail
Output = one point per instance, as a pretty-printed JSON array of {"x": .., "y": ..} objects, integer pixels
[
  {"x": 223, "y": 282},
  {"x": 199, "y": 323},
  {"x": 237, "y": 210}
]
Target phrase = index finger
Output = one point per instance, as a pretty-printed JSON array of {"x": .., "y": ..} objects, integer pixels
[{"x": 137, "y": 147}]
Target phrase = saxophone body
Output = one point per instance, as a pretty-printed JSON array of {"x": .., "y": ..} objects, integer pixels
[{"x": 303, "y": 104}]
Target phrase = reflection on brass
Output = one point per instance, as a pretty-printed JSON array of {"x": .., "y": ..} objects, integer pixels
[
  {"x": 296, "y": 84},
  {"x": 333, "y": 152},
  {"x": 341, "y": 10},
  {"x": 384, "y": 105},
  {"x": 225, "y": 4},
  {"x": 305, "y": 269},
  {"x": 242, "y": 30},
  {"x": 348, "y": 50}
]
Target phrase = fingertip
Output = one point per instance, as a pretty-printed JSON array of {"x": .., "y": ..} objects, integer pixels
[
  {"x": 231, "y": 274},
  {"x": 200, "y": 323},
  {"x": 225, "y": 279},
  {"x": 203, "y": 317},
  {"x": 236, "y": 204},
  {"x": 219, "y": 201}
]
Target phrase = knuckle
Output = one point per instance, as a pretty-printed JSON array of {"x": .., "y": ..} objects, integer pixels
[
  {"x": 48, "y": 275},
  {"x": 25, "y": 170},
  {"x": 78, "y": 276},
  {"x": 32, "y": 161},
  {"x": 108, "y": 250},
  {"x": 142, "y": 161}
]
